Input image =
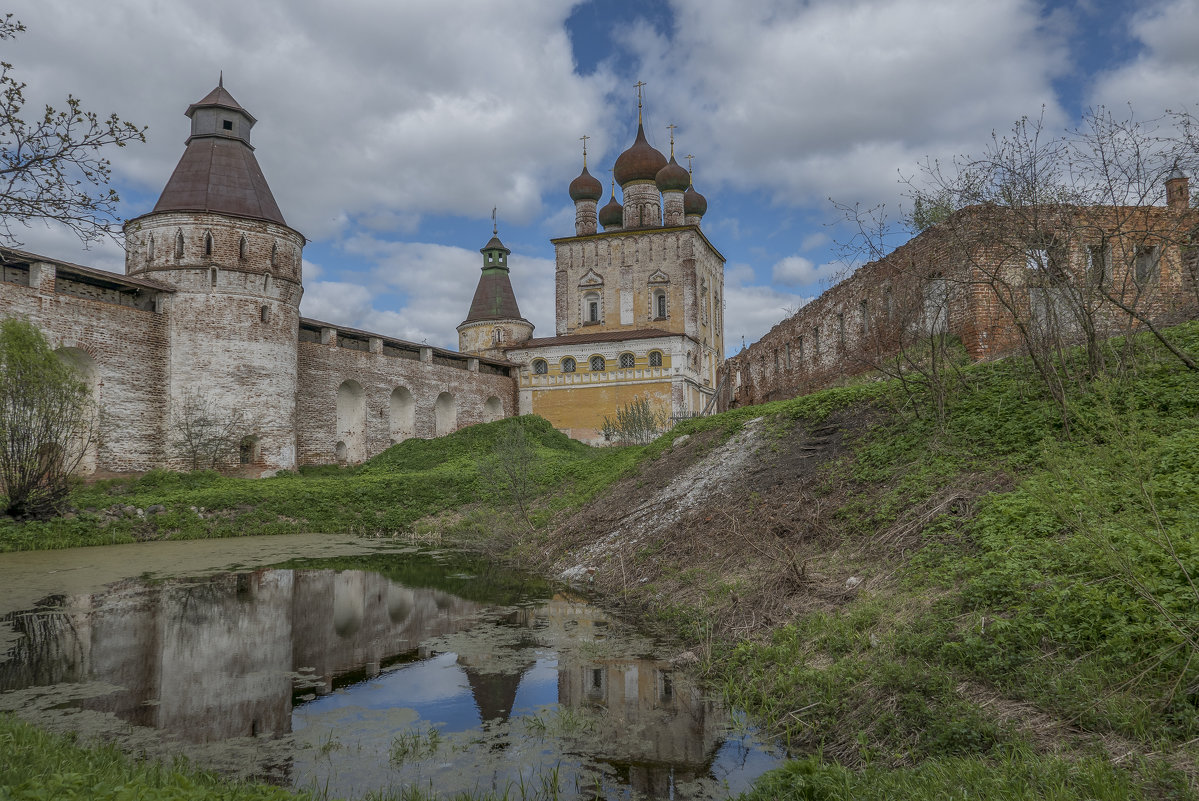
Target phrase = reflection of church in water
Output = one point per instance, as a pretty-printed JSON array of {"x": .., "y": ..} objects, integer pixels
[{"x": 229, "y": 657}]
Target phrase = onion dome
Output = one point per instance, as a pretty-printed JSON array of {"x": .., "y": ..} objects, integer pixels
[
  {"x": 672, "y": 177},
  {"x": 586, "y": 187},
  {"x": 641, "y": 162},
  {"x": 612, "y": 214},
  {"x": 694, "y": 202}
]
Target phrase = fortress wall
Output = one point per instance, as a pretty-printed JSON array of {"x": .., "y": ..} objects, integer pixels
[
  {"x": 380, "y": 368},
  {"x": 128, "y": 342},
  {"x": 968, "y": 277}
]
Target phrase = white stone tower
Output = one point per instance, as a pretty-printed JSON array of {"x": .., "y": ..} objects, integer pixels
[{"x": 217, "y": 236}]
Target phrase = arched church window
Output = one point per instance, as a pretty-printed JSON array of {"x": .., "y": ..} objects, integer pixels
[
  {"x": 274, "y": 253},
  {"x": 241, "y": 248},
  {"x": 597, "y": 364},
  {"x": 568, "y": 365},
  {"x": 591, "y": 307},
  {"x": 179, "y": 244},
  {"x": 655, "y": 358},
  {"x": 208, "y": 243},
  {"x": 659, "y": 305},
  {"x": 540, "y": 367},
  {"x": 627, "y": 361}
]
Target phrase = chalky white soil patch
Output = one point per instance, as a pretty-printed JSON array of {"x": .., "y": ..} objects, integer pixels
[{"x": 691, "y": 487}]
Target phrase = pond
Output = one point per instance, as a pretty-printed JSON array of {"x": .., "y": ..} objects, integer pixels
[{"x": 353, "y": 673}]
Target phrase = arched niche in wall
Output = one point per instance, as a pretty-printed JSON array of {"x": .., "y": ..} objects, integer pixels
[
  {"x": 493, "y": 409},
  {"x": 351, "y": 421},
  {"x": 445, "y": 415},
  {"x": 88, "y": 437},
  {"x": 402, "y": 414}
]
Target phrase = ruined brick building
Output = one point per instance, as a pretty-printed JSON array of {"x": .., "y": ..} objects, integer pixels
[
  {"x": 999, "y": 281},
  {"x": 638, "y": 305},
  {"x": 207, "y": 314}
]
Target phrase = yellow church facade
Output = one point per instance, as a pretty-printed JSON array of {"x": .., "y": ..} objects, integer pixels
[{"x": 638, "y": 304}]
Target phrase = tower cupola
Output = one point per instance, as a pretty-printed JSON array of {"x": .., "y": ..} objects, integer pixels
[
  {"x": 611, "y": 216},
  {"x": 635, "y": 171},
  {"x": 695, "y": 205},
  {"x": 672, "y": 181},
  {"x": 493, "y": 321},
  {"x": 585, "y": 191}
]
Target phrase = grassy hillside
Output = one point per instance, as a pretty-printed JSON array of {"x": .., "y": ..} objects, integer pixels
[{"x": 384, "y": 496}]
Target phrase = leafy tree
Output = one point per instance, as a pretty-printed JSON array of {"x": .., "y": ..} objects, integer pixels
[
  {"x": 50, "y": 164},
  {"x": 206, "y": 435},
  {"x": 46, "y": 422},
  {"x": 636, "y": 423}
]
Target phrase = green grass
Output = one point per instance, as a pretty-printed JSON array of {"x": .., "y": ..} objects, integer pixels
[
  {"x": 37, "y": 766},
  {"x": 386, "y": 495}
]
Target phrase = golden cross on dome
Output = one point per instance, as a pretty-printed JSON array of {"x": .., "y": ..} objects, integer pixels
[
  {"x": 688, "y": 157},
  {"x": 584, "y": 137},
  {"x": 639, "y": 84},
  {"x": 494, "y": 226},
  {"x": 671, "y": 128}
]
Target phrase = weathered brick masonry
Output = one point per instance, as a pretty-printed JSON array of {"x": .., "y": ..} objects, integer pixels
[
  {"x": 993, "y": 279},
  {"x": 209, "y": 308}
]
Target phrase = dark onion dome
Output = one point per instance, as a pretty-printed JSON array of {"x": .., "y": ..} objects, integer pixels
[
  {"x": 694, "y": 202},
  {"x": 641, "y": 162},
  {"x": 673, "y": 178},
  {"x": 611, "y": 214},
  {"x": 586, "y": 187}
]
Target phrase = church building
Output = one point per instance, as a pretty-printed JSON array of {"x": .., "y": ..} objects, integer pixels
[{"x": 638, "y": 305}]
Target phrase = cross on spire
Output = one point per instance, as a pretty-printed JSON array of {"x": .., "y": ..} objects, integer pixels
[
  {"x": 584, "y": 137},
  {"x": 671, "y": 128},
  {"x": 639, "y": 84},
  {"x": 688, "y": 157},
  {"x": 494, "y": 226}
]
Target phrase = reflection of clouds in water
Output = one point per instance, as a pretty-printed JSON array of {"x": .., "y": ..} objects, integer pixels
[
  {"x": 435, "y": 688},
  {"x": 538, "y": 687}
]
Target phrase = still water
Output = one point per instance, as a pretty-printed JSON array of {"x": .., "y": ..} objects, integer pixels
[{"x": 375, "y": 672}]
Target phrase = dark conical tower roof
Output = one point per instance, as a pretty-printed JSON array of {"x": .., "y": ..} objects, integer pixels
[
  {"x": 494, "y": 298},
  {"x": 218, "y": 171}
]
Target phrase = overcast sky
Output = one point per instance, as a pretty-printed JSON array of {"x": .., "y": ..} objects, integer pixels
[{"x": 388, "y": 129}]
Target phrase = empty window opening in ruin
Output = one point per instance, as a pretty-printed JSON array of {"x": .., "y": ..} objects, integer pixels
[
  {"x": 498, "y": 336},
  {"x": 227, "y": 125},
  {"x": 212, "y": 277},
  {"x": 241, "y": 248},
  {"x": 179, "y": 244},
  {"x": 274, "y": 253},
  {"x": 568, "y": 365},
  {"x": 627, "y": 360},
  {"x": 207, "y": 243},
  {"x": 655, "y": 358},
  {"x": 540, "y": 367},
  {"x": 249, "y": 451},
  {"x": 597, "y": 364},
  {"x": 1145, "y": 265},
  {"x": 1046, "y": 260},
  {"x": 265, "y": 314}
]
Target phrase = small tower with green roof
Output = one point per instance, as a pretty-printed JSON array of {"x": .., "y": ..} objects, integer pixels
[{"x": 493, "y": 322}]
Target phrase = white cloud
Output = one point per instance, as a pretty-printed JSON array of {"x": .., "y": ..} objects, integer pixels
[
  {"x": 1165, "y": 75},
  {"x": 368, "y": 110},
  {"x": 436, "y": 282},
  {"x": 798, "y": 271},
  {"x": 831, "y": 98},
  {"x": 752, "y": 309}
]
